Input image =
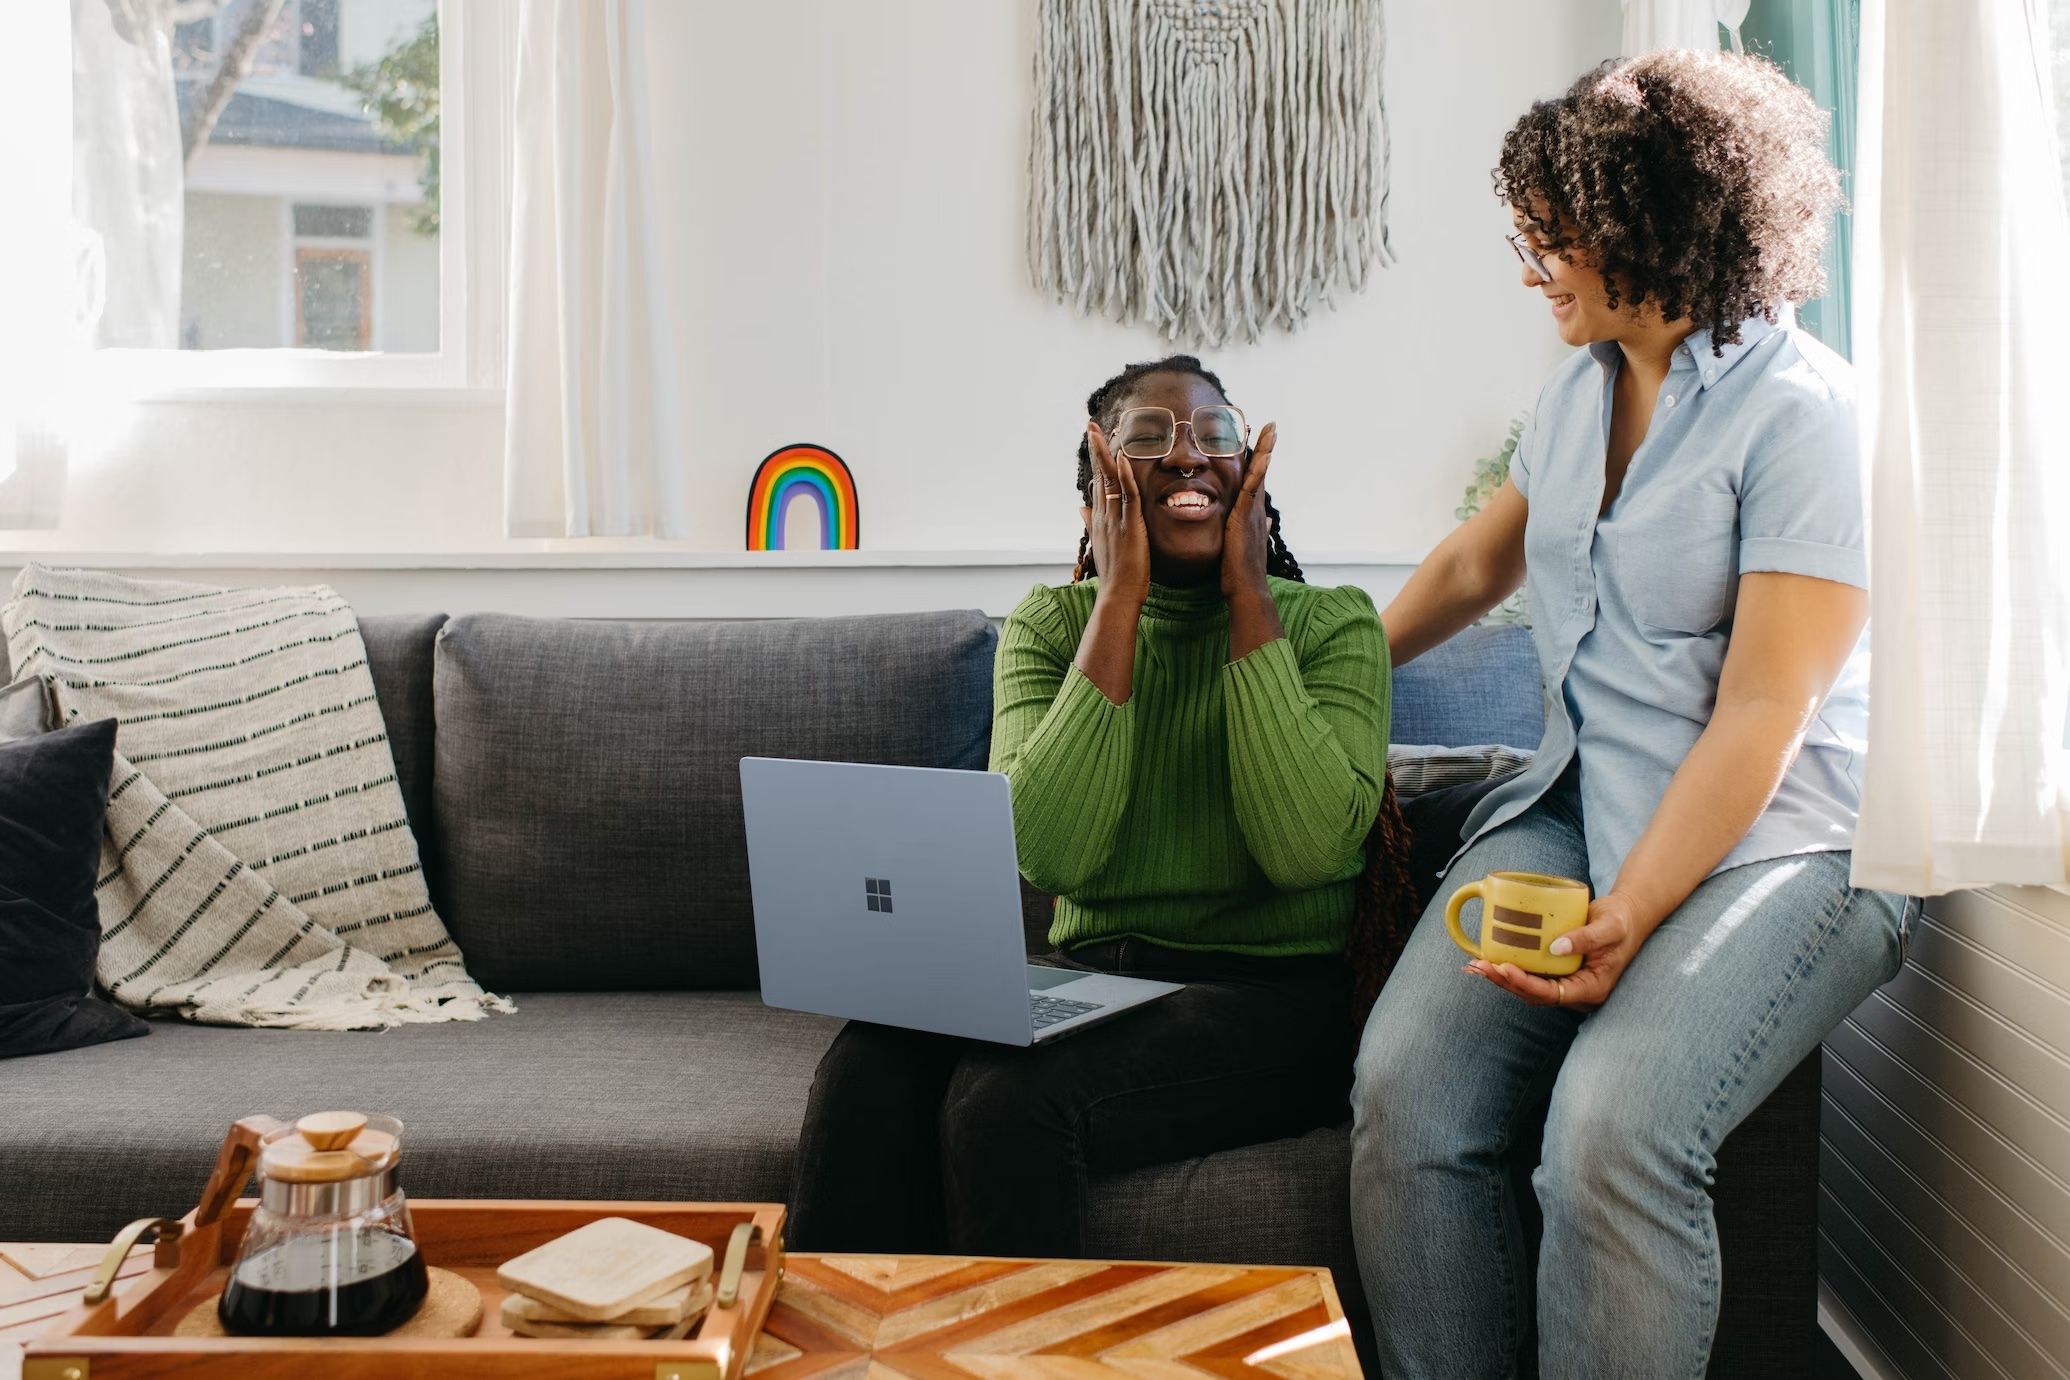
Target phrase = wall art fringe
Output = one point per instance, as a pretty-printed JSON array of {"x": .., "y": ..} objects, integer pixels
[{"x": 1210, "y": 167}]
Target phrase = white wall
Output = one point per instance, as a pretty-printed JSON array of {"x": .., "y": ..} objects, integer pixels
[{"x": 848, "y": 184}]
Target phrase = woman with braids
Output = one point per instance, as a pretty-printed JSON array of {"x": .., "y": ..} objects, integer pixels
[
  {"x": 1686, "y": 513},
  {"x": 1197, "y": 743}
]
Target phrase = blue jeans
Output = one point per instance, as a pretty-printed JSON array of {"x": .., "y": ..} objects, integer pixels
[{"x": 1726, "y": 997}]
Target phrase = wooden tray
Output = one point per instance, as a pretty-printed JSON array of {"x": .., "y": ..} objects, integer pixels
[{"x": 129, "y": 1337}]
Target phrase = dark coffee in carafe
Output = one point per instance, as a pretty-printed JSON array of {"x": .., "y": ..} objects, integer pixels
[{"x": 349, "y": 1285}]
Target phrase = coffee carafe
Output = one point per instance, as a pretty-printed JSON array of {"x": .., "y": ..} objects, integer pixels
[{"x": 329, "y": 1251}]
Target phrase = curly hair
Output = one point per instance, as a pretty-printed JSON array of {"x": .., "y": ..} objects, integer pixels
[
  {"x": 1695, "y": 181},
  {"x": 1384, "y": 908}
]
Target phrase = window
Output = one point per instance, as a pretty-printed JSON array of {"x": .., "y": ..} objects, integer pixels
[
  {"x": 334, "y": 277},
  {"x": 329, "y": 124},
  {"x": 334, "y": 222},
  {"x": 1819, "y": 46},
  {"x": 317, "y": 39},
  {"x": 285, "y": 220}
]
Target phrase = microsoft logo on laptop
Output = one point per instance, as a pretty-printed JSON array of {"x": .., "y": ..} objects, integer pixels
[{"x": 877, "y": 891}]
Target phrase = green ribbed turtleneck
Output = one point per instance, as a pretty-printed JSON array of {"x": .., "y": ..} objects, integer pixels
[{"x": 1225, "y": 804}]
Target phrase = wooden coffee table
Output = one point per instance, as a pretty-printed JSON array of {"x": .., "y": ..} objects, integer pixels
[{"x": 935, "y": 1317}]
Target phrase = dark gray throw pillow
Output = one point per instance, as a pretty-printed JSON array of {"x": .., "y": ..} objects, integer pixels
[
  {"x": 1437, "y": 826},
  {"x": 53, "y": 800}
]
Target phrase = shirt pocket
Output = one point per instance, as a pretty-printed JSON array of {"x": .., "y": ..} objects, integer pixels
[{"x": 1678, "y": 565}]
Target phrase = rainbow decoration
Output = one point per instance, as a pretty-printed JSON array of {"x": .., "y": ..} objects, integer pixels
[{"x": 809, "y": 472}]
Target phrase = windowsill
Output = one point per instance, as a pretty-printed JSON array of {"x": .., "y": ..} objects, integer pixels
[
  {"x": 634, "y": 580},
  {"x": 258, "y": 375},
  {"x": 606, "y": 553},
  {"x": 330, "y": 394}
]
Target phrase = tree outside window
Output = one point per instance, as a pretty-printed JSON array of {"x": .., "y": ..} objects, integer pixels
[{"x": 267, "y": 106}]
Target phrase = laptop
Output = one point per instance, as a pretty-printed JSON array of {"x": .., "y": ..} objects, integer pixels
[{"x": 892, "y": 894}]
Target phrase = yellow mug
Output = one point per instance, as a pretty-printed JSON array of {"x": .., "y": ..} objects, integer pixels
[{"x": 1522, "y": 913}]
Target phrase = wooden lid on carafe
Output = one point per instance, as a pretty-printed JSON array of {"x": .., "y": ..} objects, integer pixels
[{"x": 329, "y": 1147}]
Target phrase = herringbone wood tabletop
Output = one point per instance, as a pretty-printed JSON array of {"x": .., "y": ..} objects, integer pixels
[{"x": 938, "y": 1317}]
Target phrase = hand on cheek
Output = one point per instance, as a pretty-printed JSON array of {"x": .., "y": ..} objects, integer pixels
[
  {"x": 1114, "y": 522},
  {"x": 1248, "y": 536}
]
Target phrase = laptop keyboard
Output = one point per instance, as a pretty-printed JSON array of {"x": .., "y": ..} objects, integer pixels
[{"x": 1050, "y": 1010}]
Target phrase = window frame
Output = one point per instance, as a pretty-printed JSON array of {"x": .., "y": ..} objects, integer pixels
[{"x": 477, "y": 79}]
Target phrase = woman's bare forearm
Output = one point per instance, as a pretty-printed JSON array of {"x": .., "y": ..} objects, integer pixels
[
  {"x": 1792, "y": 634},
  {"x": 1475, "y": 568},
  {"x": 1717, "y": 793},
  {"x": 1445, "y": 595}
]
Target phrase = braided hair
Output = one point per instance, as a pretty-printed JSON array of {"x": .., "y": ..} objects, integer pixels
[
  {"x": 1103, "y": 407},
  {"x": 1384, "y": 906}
]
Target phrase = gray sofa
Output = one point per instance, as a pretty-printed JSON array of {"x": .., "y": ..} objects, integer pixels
[{"x": 574, "y": 789}]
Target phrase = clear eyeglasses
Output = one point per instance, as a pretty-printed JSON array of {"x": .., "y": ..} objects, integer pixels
[
  {"x": 1150, "y": 433},
  {"x": 1529, "y": 256}
]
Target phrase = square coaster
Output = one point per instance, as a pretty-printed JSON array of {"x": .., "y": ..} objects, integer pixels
[
  {"x": 601, "y": 1270},
  {"x": 690, "y": 1301},
  {"x": 596, "y": 1332}
]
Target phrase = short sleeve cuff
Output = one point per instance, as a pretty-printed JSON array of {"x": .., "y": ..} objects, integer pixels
[{"x": 1845, "y": 565}]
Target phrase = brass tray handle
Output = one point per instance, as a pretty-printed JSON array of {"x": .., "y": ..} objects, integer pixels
[
  {"x": 233, "y": 1168},
  {"x": 744, "y": 1235},
  {"x": 166, "y": 1256}
]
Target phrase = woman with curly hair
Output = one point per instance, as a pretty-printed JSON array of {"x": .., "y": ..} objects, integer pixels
[{"x": 1686, "y": 513}]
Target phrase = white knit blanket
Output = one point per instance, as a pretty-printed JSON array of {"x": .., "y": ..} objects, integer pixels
[{"x": 257, "y": 867}]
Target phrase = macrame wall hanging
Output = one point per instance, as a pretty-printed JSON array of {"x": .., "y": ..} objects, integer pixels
[{"x": 1211, "y": 167}]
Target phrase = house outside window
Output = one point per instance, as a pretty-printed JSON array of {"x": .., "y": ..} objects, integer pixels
[
  {"x": 335, "y": 272},
  {"x": 297, "y": 142}
]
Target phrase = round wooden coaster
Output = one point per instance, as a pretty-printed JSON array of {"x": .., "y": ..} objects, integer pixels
[{"x": 453, "y": 1308}]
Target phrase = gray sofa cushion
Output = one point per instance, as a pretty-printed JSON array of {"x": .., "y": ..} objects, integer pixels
[
  {"x": 588, "y": 784},
  {"x": 1482, "y": 686},
  {"x": 1286, "y": 1202},
  {"x": 399, "y": 652},
  {"x": 689, "y": 1096}
]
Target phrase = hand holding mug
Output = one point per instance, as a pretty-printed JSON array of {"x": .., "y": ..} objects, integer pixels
[{"x": 1573, "y": 958}]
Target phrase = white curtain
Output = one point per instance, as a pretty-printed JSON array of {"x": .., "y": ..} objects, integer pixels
[
  {"x": 90, "y": 250},
  {"x": 1961, "y": 294},
  {"x": 35, "y": 82},
  {"x": 594, "y": 441},
  {"x": 128, "y": 183},
  {"x": 1651, "y": 24}
]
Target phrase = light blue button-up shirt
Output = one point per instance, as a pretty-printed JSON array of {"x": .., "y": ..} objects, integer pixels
[{"x": 1749, "y": 464}]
